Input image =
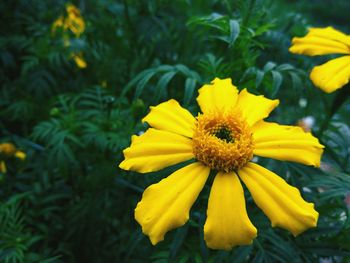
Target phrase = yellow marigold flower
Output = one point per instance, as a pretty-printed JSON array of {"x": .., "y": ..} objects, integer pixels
[
  {"x": 224, "y": 138},
  {"x": 79, "y": 60},
  {"x": 335, "y": 73}
]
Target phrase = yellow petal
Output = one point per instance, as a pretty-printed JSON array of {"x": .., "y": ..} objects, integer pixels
[
  {"x": 281, "y": 202},
  {"x": 219, "y": 95},
  {"x": 72, "y": 9},
  {"x": 286, "y": 143},
  {"x": 76, "y": 25},
  {"x": 79, "y": 61},
  {"x": 156, "y": 149},
  {"x": 255, "y": 108},
  {"x": 3, "y": 167},
  {"x": 21, "y": 155},
  {"x": 58, "y": 23},
  {"x": 332, "y": 75},
  {"x": 321, "y": 41},
  {"x": 227, "y": 222},
  {"x": 166, "y": 205},
  {"x": 170, "y": 116}
]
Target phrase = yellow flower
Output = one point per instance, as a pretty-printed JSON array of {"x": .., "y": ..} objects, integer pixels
[
  {"x": 7, "y": 149},
  {"x": 74, "y": 21},
  {"x": 59, "y": 22},
  {"x": 20, "y": 155},
  {"x": 79, "y": 60},
  {"x": 224, "y": 138},
  {"x": 335, "y": 73}
]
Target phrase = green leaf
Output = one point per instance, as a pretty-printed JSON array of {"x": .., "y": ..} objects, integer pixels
[
  {"x": 277, "y": 80},
  {"x": 190, "y": 85},
  {"x": 234, "y": 31},
  {"x": 163, "y": 83}
]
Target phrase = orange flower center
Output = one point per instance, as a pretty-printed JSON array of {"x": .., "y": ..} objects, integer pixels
[{"x": 223, "y": 141}]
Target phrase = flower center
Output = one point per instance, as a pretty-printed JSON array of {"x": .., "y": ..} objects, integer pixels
[{"x": 223, "y": 141}]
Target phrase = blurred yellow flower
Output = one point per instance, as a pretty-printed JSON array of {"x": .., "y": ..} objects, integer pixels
[
  {"x": 335, "y": 73},
  {"x": 8, "y": 150},
  {"x": 72, "y": 21},
  {"x": 79, "y": 60},
  {"x": 224, "y": 139},
  {"x": 21, "y": 155},
  {"x": 59, "y": 22},
  {"x": 72, "y": 10},
  {"x": 3, "y": 167}
]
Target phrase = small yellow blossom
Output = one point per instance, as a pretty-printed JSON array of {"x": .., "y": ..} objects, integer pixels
[
  {"x": 79, "y": 60},
  {"x": 59, "y": 22},
  {"x": 72, "y": 10},
  {"x": 72, "y": 21},
  {"x": 224, "y": 138},
  {"x": 335, "y": 73},
  {"x": 3, "y": 167},
  {"x": 21, "y": 155},
  {"x": 8, "y": 150}
]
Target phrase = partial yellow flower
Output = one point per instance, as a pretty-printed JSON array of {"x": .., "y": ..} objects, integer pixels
[
  {"x": 3, "y": 168},
  {"x": 335, "y": 73},
  {"x": 72, "y": 10},
  {"x": 73, "y": 21},
  {"x": 59, "y": 22},
  {"x": 223, "y": 138},
  {"x": 76, "y": 25},
  {"x": 79, "y": 60},
  {"x": 20, "y": 155},
  {"x": 7, "y": 149}
]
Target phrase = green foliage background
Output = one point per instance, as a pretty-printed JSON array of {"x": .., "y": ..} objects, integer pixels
[{"x": 69, "y": 201}]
